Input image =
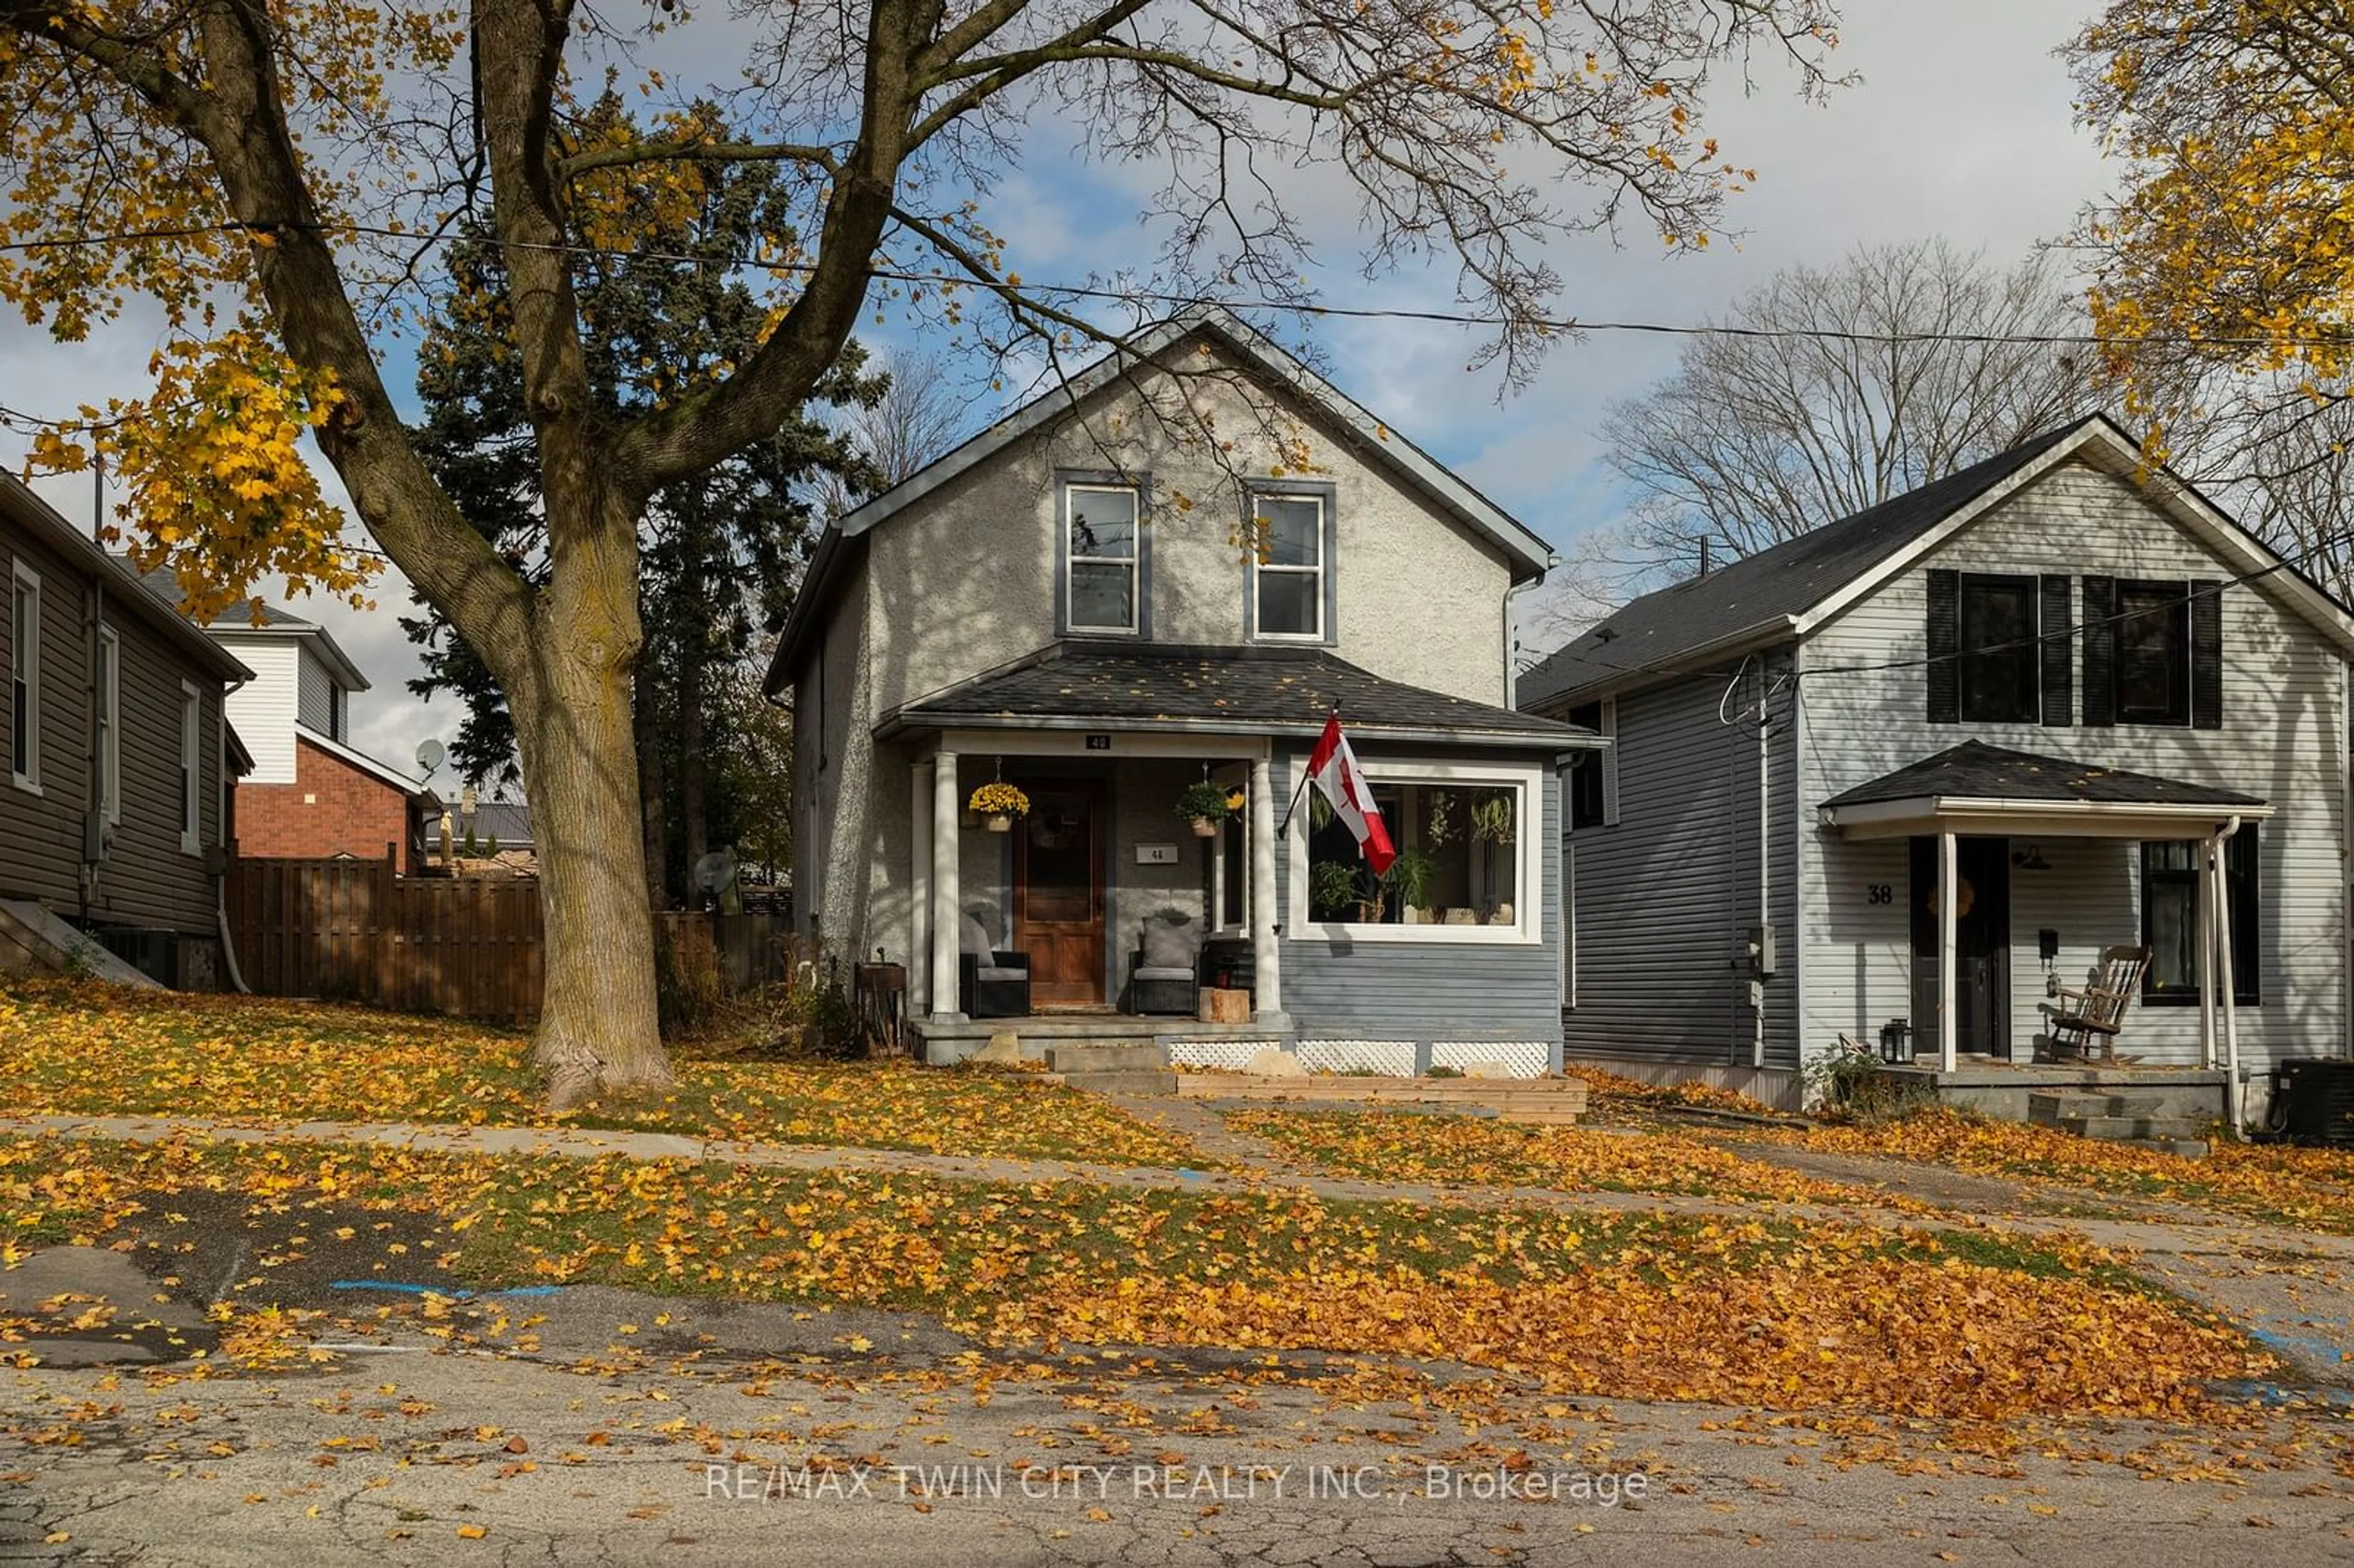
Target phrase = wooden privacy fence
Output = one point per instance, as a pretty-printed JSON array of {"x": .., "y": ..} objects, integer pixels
[{"x": 356, "y": 930}]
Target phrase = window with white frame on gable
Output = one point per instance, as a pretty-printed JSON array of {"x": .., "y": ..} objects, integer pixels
[
  {"x": 1289, "y": 557},
  {"x": 1102, "y": 557}
]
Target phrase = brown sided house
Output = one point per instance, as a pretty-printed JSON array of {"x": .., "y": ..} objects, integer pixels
[{"x": 113, "y": 809}]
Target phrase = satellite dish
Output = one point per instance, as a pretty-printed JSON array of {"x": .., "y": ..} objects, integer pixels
[
  {"x": 431, "y": 753},
  {"x": 715, "y": 874}
]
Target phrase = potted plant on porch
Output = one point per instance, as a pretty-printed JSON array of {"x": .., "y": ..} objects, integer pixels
[
  {"x": 1206, "y": 804},
  {"x": 997, "y": 803}
]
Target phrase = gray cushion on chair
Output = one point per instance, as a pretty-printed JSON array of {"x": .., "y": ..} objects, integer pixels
[
  {"x": 975, "y": 941},
  {"x": 1170, "y": 945},
  {"x": 987, "y": 975}
]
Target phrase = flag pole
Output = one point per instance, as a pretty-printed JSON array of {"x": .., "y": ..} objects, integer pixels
[{"x": 1298, "y": 790}]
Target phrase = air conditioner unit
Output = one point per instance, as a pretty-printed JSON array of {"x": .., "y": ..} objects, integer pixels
[{"x": 2313, "y": 1101}]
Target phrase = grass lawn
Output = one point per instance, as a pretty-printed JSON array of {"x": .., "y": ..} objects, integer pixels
[
  {"x": 1777, "y": 1314},
  {"x": 92, "y": 1049},
  {"x": 1404, "y": 1147}
]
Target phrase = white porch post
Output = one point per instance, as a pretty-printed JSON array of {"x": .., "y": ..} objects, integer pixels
[
  {"x": 947, "y": 899},
  {"x": 919, "y": 888},
  {"x": 1948, "y": 877},
  {"x": 2204, "y": 894},
  {"x": 2224, "y": 985},
  {"x": 1267, "y": 959}
]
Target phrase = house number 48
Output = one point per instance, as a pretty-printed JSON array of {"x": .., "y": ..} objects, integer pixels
[{"x": 1881, "y": 893}]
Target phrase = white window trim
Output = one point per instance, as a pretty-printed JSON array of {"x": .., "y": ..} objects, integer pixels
[
  {"x": 29, "y": 777},
  {"x": 1528, "y": 919},
  {"x": 1259, "y": 497},
  {"x": 109, "y": 751},
  {"x": 192, "y": 760},
  {"x": 1134, "y": 561}
]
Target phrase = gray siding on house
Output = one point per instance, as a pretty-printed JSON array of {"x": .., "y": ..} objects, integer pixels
[
  {"x": 1424, "y": 991},
  {"x": 2283, "y": 738},
  {"x": 147, "y": 879},
  {"x": 1666, "y": 896}
]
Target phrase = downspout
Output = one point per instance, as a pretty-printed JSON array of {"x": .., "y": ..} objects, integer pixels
[
  {"x": 1765, "y": 858},
  {"x": 220, "y": 877},
  {"x": 1511, "y": 676}
]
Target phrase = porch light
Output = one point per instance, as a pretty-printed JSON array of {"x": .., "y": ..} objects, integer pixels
[{"x": 2031, "y": 859}]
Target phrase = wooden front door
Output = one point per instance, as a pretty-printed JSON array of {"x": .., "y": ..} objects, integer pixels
[
  {"x": 1981, "y": 947},
  {"x": 1059, "y": 892}
]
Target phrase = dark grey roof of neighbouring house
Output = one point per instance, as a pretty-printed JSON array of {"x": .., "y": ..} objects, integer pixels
[
  {"x": 1258, "y": 690},
  {"x": 1786, "y": 580},
  {"x": 1976, "y": 772}
]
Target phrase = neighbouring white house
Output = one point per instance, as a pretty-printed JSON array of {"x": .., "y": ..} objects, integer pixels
[
  {"x": 1086, "y": 604},
  {"x": 1913, "y": 772},
  {"x": 311, "y": 794}
]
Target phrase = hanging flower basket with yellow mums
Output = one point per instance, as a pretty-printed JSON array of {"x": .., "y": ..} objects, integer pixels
[{"x": 999, "y": 803}]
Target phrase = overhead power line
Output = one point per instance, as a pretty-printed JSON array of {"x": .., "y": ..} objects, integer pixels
[{"x": 1007, "y": 286}]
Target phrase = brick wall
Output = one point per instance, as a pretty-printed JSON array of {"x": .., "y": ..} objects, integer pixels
[{"x": 332, "y": 807}]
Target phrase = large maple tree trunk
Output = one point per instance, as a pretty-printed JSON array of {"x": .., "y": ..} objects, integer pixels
[{"x": 570, "y": 692}]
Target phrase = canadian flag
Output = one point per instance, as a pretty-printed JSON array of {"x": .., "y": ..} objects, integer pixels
[{"x": 1334, "y": 769}]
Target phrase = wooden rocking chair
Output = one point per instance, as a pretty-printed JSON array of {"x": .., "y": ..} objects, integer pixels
[{"x": 2085, "y": 1023}]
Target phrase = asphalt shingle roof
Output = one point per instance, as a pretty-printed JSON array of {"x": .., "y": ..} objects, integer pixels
[
  {"x": 1789, "y": 579},
  {"x": 1248, "y": 688},
  {"x": 1976, "y": 772}
]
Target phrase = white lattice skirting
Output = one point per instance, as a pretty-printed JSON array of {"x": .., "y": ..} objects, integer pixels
[
  {"x": 1519, "y": 1058},
  {"x": 1229, "y": 1055},
  {"x": 1394, "y": 1057}
]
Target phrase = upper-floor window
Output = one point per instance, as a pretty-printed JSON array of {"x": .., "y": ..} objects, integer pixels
[
  {"x": 24, "y": 676},
  {"x": 1998, "y": 651},
  {"x": 1592, "y": 776},
  {"x": 2153, "y": 653},
  {"x": 108, "y": 716},
  {"x": 1103, "y": 557},
  {"x": 192, "y": 714},
  {"x": 1290, "y": 545}
]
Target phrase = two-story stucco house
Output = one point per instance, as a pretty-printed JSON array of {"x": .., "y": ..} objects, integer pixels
[
  {"x": 1085, "y": 602},
  {"x": 1941, "y": 753}
]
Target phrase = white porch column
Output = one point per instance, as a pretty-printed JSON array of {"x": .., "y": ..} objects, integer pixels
[
  {"x": 919, "y": 888},
  {"x": 948, "y": 900},
  {"x": 2224, "y": 985},
  {"x": 1267, "y": 960},
  {"x": 1948, "y": 878},
  {"x": 2204, "y": 893}
]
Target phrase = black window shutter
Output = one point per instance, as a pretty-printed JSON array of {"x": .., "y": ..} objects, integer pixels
[
  {"x": 2206, "y": 655},
  {"x": 2100, "y": 651},
  {"x": 1945, "y": 646},
  {"x": 2059, "y": 652}
]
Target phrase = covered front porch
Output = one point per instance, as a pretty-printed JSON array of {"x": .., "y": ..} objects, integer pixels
[{"x": 2013, "y": 859}]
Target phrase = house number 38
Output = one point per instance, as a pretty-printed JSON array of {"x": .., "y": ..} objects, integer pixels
[{"x": 1881, "y": 893}]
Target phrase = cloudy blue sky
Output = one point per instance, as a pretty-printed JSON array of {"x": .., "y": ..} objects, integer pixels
[{"x": 1959, "y": 126}]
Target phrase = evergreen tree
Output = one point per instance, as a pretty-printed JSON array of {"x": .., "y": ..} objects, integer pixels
[{"x": 721, "y": 551}]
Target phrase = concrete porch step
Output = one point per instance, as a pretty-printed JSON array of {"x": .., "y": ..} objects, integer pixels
[
  {"x": 1120, "y": 1081},
  {"x": 2048, "y": 1108},
  {"x": 1126, "y": 1057},
  {"x": 2124, "y": 1128}
]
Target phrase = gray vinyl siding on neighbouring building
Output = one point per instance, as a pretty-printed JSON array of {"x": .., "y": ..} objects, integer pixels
[
  {"x": 146, "y": 880},
  {"x": 1665, "y": 896},
  {"x": 1422, "y": 991}
]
